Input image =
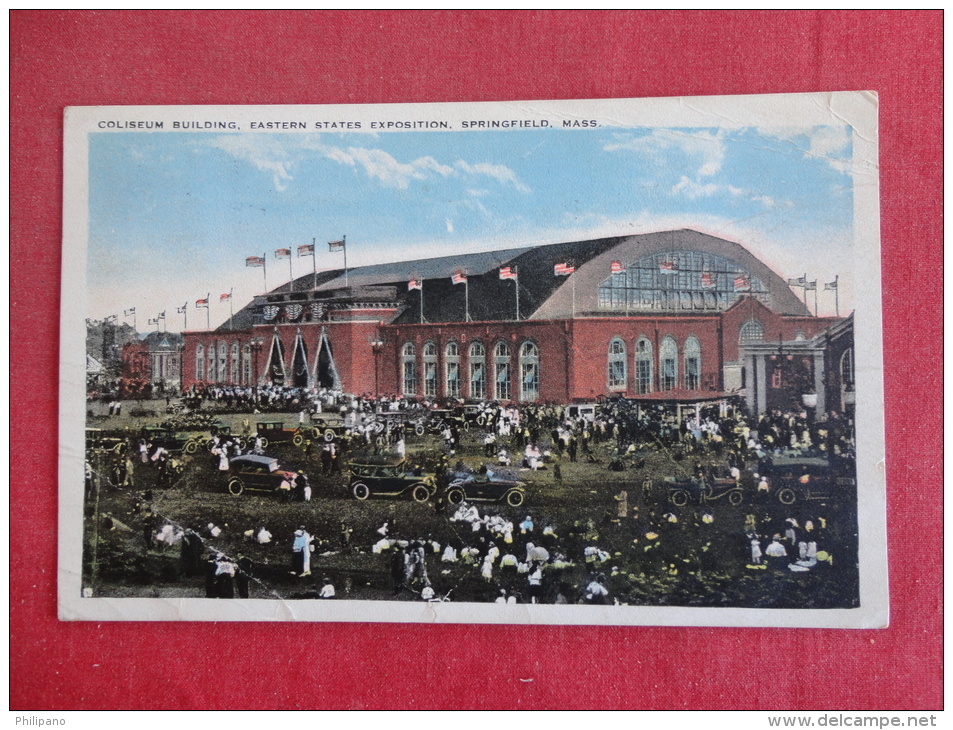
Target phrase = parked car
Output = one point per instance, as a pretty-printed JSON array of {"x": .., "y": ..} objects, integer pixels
[
  {"x": 104, "y": 442},
  {"x": 262, "y": 474},
  {"x": 793, "y": 478},
  {"x": 274, "y": 432},
  {"x": 487, "y": 485},
  {"x": 174, "y": 441},
  {"x": 389, "y": 478},
  {"x": 682, "y": 490}
]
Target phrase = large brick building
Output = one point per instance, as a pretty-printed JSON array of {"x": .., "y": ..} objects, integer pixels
[{"x": 667, "y": 316}]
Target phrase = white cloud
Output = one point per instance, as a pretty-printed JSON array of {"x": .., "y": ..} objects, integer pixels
[
  {"x": 707, "y": 147},
  {"x": 501, "y": 173},
  {"x": 261, "y": 152}
]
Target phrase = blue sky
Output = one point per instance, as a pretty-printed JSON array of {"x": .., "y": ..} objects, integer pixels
[{"x": 173, "y": 215}]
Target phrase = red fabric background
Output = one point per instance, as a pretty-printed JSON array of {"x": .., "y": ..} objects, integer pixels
[{"x": 158, "y": 57}]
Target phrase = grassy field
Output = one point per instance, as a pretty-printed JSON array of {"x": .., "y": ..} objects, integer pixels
[{"x": 658, "y": 554}]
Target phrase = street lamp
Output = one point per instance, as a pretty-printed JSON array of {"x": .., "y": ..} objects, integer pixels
[{"x": 377, "y": 345}]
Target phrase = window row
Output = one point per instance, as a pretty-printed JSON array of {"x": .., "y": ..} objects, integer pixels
[
  {"x": 224, "y": 363},
  {"x": 485, "y": 377},
  {"x": 667, "y": 366}
]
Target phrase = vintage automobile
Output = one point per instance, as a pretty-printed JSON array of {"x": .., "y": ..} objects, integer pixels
[
  {"x": 174, "y": 441},
  {"x": 262, "y": 474},
  {"x": 682, "y": 490},
  {"x": 99, "y": 441},
  {"x": 487, "y": 485},
  {"x": 320, "y": 429},
  {"x": 274, "y": 432},
  {"x": 791, "y": 478},
  {"x": 394, "y": 478}
]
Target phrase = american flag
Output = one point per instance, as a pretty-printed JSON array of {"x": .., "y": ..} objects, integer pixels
[
  {"x": 161, "y": 315},
  {"x": 800, "y": 281},
  {"x": 225, "y": 297},
  {"x": 255, "y": 261},
  {"x": 336, "y": 245},
  {"x": 563, "y": 269},
  {"x": 507, "y": 272},
  {"x": 202, "y": 302},
  {"x": 283, "y": 253},
  {"x": 708, "y": 279},
  {"x": 306, "y": 249},
  {"x": 668, "y": 267},
  {"x": 181, "y": 310},
  {"x": 617, "y": 267},
  {"x": 128, "y": 312},
  {"x": 458, "y": 277},
  {"x": 831, "y": 286},
  {"x": 742, "y": 283},
  {"x": 414, "y": 284}
]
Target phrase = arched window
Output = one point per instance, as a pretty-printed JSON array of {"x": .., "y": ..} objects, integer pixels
[
  {"x": 246, "y": 364},
  {"x": 430, "y": 370},
  {"x": 477, "y": 371},
  {"x": 643, "y": 366},
  {"x": 211, "y": 375},
  {"x": 410, "y": 369},
  {"x": 617, "y": 374},
  {"x": 751, "y": 331},
  {"x": 222, "y": 361},
  {"x": 501, "y": 362},
  {"x": 529, "y": 372},
  {"x": 452, "y": 369},
  {"x": 693, "y": 363},
  {"x": 668, "y": 364},
  {"x": 234, "y": 373},
  {"x": 199, "y": 362},
  {"x": 847, "y": 369}
]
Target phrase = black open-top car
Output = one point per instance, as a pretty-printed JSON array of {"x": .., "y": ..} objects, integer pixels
[
  {"x": 263, "y": 474},
  {"x": 486, "y": 485},
  {"x": 381, "y": 477}
]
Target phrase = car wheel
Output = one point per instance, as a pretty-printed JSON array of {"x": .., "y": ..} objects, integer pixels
[
  {"x": 329, "y": 435},
  {"x": 787, "y": 496},
  {"x": 360, "y": 491},
  {"x": 481, "y": 420},
  {"x": 420, "y": 493},
  {"x": 235, "y": 487},
  {"x": 298, "y": 439},
  {"x": 455, "y": 496},
  {"x": 191, "y": 447},
  {"x": 735, "y": 497},
  {"x": 419, "y": 429},
  {"x": 264, "y": 442},
  {"x": 515, "y": 499},
  {"x": 679, "y": 498}
]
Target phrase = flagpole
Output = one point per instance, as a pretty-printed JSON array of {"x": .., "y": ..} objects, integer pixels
[
  {"x": 134, "y": 320},
  {"x": 314, "y": 262},
  {"x": 208, "y": 309},
  {"x": 805, "y": 289},
  {"x": 231, "y": 309},
  {"x": 264, "y": 269},
  {"x": 836, "y": 295},
  {"x": 466, "y": 298},
  {"x": 421, "y": 301},
  {"x": 291, "y": 272},
  {"x": 344, "y": 245},
  {"x": 815, "y": 297},
  {"x": 185, "y": 317},
  {"x": 516, "y": 282}
]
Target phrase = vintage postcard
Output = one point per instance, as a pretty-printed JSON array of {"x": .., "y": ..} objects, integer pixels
[{"x": 577, "y": 362}]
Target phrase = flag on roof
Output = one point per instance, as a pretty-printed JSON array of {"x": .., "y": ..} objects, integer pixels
[
  {"x": 128, "y": 312},
  {"x": 800, "y": 281},
  {"x": 458, "y": 277},
  {"x": 225, "y": 297},
  {"x": 708, "y": 279},
  {"x": 507, "y": 272},
  {"x": 306, "y": 249},
  {"x": 668, "y": 267},
  {"x": 415, "y": 284},
  {"x": 563, "y": 269},
  {"x": 202, "y": 302},
  {"x": 617, "y": 267},
  {"x": 336, "y": 245},
  {"x": 810, "y": 285},
  {"x": 181, "y": 310},
  {"x": 831, "y": 286},
  {"x": 283, "y": 253},
  {"x": 161, "y": 315},
  {"x": 742, "y": 283},
  {"x": 153, "y": 321},
  {"x": 255, "y": 261}
]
